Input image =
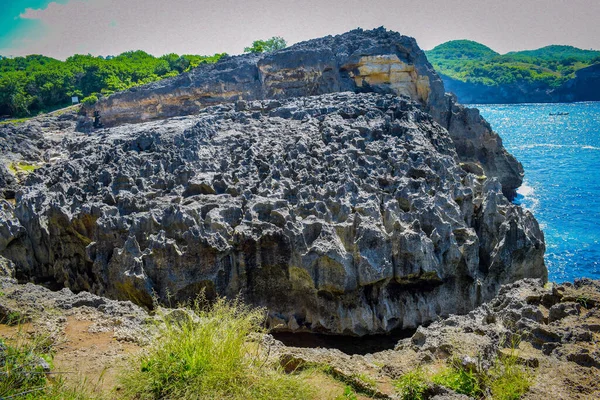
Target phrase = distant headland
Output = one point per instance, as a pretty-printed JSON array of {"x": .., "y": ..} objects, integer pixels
[{"x": 478, "y": 74}]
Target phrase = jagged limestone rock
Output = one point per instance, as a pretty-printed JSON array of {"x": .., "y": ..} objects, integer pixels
[
  {"x": 341, "y": 213},
  {"x": 377, "y": 61}
]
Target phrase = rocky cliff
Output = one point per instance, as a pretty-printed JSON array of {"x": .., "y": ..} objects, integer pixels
[
  {"x": 343, "y": 213},
  {"x": 479, "y": 93},
  {"x": 377, "y": 61},
  {"x": 584, "y": 87}
]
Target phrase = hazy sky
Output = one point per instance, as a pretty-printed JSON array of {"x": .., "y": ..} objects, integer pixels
[{"x": 61, "y": 28}]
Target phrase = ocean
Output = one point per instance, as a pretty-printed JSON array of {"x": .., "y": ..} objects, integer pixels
[{"x": 561, "y": 157}]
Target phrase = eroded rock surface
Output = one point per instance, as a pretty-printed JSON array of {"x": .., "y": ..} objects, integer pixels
[
  {"x": 343, "y": 213},
  {"x": 31, "y": 144},
  {"x": 553, "y": 331},
  {"x": 377, "y": 61}
]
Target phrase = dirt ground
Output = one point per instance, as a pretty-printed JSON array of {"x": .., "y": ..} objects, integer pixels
[{"x": 82, "y": 355}]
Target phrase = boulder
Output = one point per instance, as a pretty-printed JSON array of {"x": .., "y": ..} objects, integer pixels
[{"x": 345, "y": 213}]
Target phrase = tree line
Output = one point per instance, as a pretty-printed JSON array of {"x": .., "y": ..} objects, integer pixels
[{"x": 36, "y": 83}]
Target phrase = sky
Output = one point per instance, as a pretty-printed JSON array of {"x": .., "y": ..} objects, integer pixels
[{"x": 60, "y": 28}]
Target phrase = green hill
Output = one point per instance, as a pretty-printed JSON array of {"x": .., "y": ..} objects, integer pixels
[
  {"x": 472, "y": 62},
  {"x": 461, "y": 50},
  {"x": 558, "y": 53}
]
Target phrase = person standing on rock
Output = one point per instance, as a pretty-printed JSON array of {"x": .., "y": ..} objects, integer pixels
[{"x": 97, "y": 122}]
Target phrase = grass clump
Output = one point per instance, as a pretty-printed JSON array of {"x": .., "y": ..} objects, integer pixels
[
  {"x": 348, "y": 394},
  {"x": 412, "y": 385},
  {"x": 23, "y": 368},
  {"x": 208, "y": 354},
  {"x": 459, "y": 379},
  {"x": 508, "y": 379},
  {"x": 505, "y": 380}
]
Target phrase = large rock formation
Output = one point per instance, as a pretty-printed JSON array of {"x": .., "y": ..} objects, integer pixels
[
  {"x": 343, "y": 213},
  {"x": 361, "y": 61},
  {"x": 584, "y": 87}
]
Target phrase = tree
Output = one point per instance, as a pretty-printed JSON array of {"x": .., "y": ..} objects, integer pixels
[{"x": 267, "y": 46}]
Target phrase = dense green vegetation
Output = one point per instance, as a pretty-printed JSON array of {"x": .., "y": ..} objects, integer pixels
[
  {"x": 208, "y": 351},
  {"x": 36, "y": 83},
  {"x": 473, "y": 62},
  {"x": 33, "y": 84}
]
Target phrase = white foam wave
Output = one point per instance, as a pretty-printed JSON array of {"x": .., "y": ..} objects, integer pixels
[
  {"x": 526, "y": 190},
  {"x": 529, "y": 200}
]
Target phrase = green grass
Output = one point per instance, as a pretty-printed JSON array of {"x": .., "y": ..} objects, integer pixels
[
  {"x": 13, "y": 318},
  {"x": 508, "y": 380},
  {"x": 366, "y": 380},
  {"x": 412, "y": 385},
  {"x": 21, "y": 370},
  {"x": 505, "y": 380},
  {"x": 348, "y": 394},
  {"x": 209, "y": 355},
  {"x": 459, "y": 380}
]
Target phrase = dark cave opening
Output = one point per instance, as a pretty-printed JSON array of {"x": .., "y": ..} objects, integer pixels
[{"x": 350, "y": 345}]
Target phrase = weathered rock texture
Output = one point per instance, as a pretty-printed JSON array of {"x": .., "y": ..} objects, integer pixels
[
  {"x": 360, "y": 61},
  {"x": 33, "y": 143},
  {"x": 552, "y": 331},
  {"x": 343, "y": 213}
]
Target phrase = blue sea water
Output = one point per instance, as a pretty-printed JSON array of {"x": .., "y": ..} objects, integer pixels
[{"x": 561, "y": 157}]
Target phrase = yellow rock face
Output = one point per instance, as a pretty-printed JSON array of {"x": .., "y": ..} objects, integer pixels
[{"x": 389, "y": 70}]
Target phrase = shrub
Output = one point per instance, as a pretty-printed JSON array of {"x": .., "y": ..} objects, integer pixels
[
  {"x": 266, "y": 46},
  {"x": 90, "y": 100},
  {"x": 208, "y": 355}
]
